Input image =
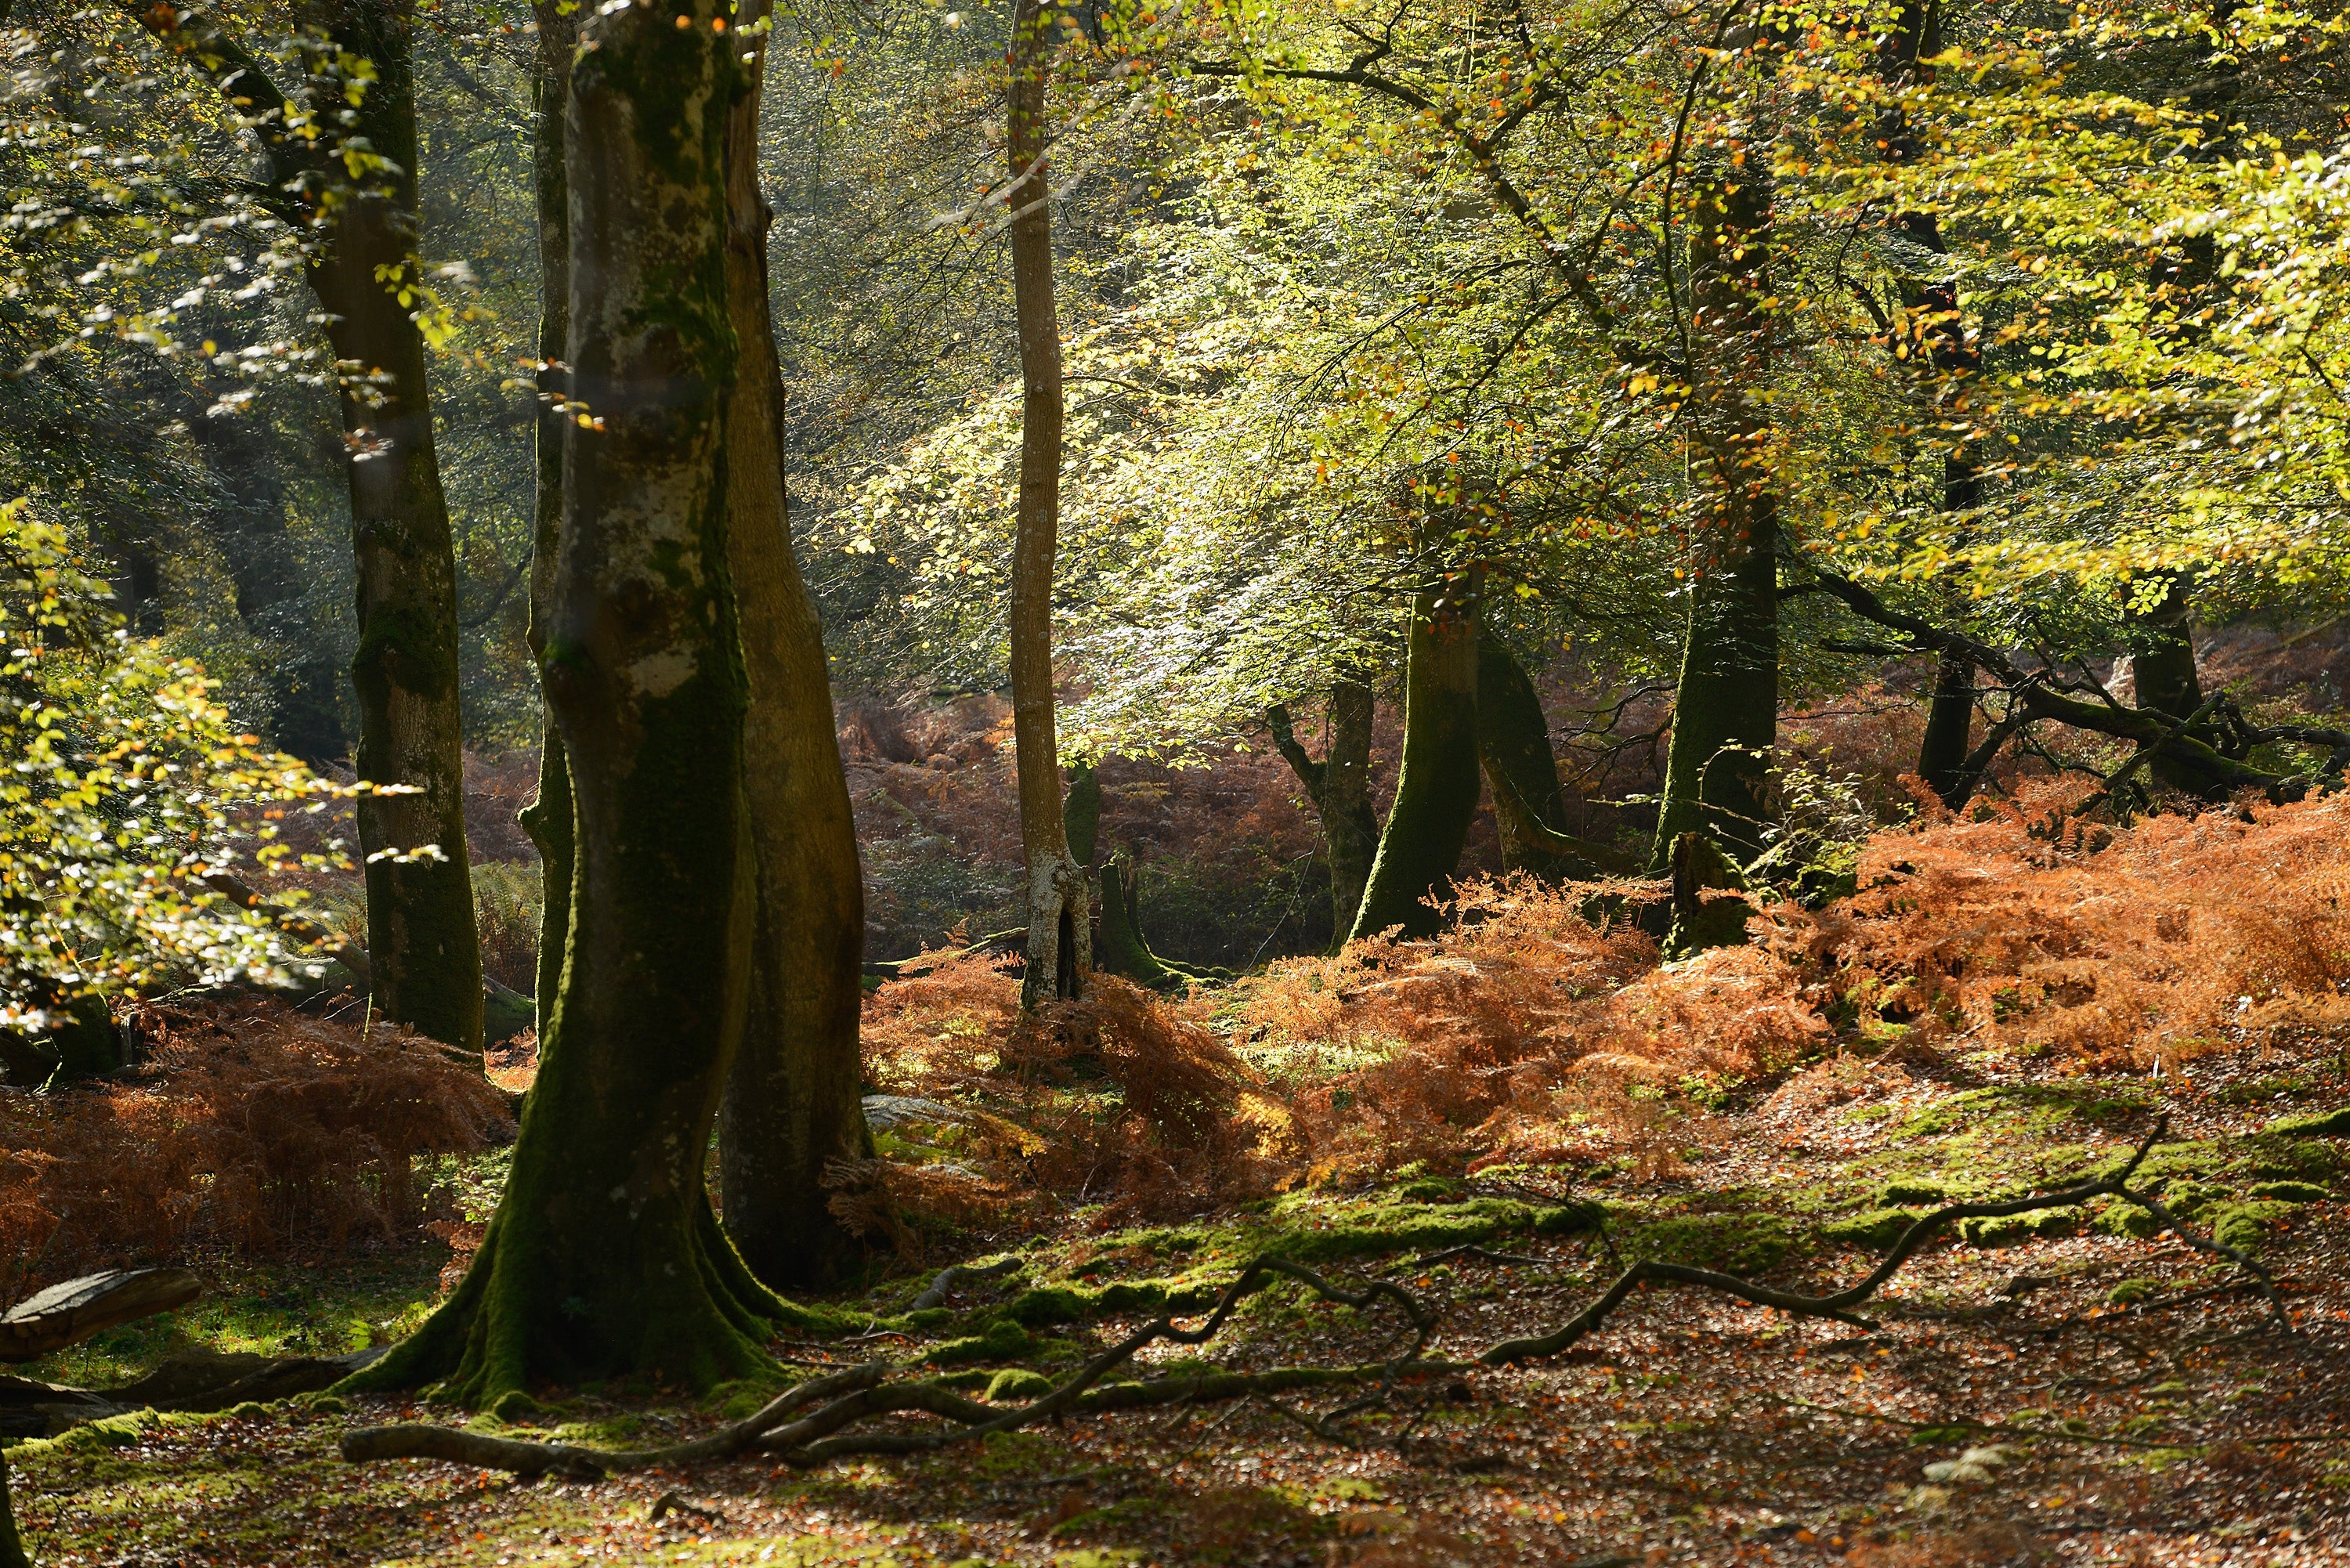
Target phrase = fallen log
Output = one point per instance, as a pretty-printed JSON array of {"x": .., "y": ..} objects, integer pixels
[{"x": 63, "y": 1315}]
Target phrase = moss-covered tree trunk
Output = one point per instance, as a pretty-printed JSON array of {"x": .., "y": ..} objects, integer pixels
[
  {"x": 1340, "y": 787},
  {"x": 11, "y": 1547},
  {"x": 793, "y": 1102},
  {"x": 547, "y": 819},
  {"x": 1060, "y": 935},
  {"x": 426, "y": 953},
  {"x": 1437, "y": 785},
  {"x": 1513, "y": 744},
  {"x": 1726, "y": 705},
  {"x": 603, "y": 1257}
]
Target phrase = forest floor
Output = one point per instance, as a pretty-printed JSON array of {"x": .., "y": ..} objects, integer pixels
[{"x": 2028, "y": 1395}]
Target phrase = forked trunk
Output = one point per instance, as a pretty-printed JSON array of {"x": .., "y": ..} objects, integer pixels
[
  {"x": 420, "y": 931},
  {"x": 1340, "y": 786},
  {"x": 792, "y": 1102},
  {"x": 1514, "y": 742},
  {"x": 1437, "y": 784},
  {"x": 1726, "y": 705},
  {"x": 603, "y": 1258},
  {"x": 1059, "y": 953}
]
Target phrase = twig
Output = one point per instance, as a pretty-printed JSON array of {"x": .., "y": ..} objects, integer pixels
[
  {"x": 670, "y": 1503},
  {"x": 1481, "y": 1254}
]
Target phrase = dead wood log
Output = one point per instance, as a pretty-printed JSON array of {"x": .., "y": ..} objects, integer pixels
[{"x": 63, "y": 1315}]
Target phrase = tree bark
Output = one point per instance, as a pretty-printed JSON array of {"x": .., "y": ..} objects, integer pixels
[
  {"x": 12, "y": 1546},
  {"x": 549, "y": 817},
  {"x": 1437, "y": 785},
  {"x": 1340, "y": 787},
  {"x": 1914, "y": 34},
  {"x": 604, "y": 1257},
  {"x": 421, "y": 930},
  {"x": 1726, "y": 706},
  {"x": 794, "y": 1101},
  {"x": 1059, "y": 927},
  {"x": 1513, "y": 744}
]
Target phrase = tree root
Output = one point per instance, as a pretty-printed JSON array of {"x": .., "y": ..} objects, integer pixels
[{"x": 825, "y": 1417}]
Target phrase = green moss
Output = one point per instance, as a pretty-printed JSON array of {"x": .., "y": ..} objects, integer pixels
[
  {"x": 2290, "y": 1191},
  {"x": 2130, "y": 1292},
  {"x": 2012, "y": 1229},
  {"x": 2245, "y": 1225},
  {"x": 1913, "y": 1190},
  {"x": 2321, "y": 1123},
  {"x": 2028, "y": 1108},
  {"x": 1017, "y": 1384},
  {"x": 1743, "y": 1243},
  {"x": 1874, "y": 1227},
  {"x": 2114, "y": 1217}
]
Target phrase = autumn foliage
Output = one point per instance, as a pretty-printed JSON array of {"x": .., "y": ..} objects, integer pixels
[
  {"x": 250, "y": 1130},
  {"x": 1543, "y": 1027}
]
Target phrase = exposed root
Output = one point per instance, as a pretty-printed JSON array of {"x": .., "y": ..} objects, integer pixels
[
  {"x": 827, "y": 1417},
  {"x": 962, "y": 1274}
]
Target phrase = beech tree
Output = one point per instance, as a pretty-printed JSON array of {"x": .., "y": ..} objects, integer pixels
[
  {"x": 793, "y": 1102},
  {"x": 1060, "y": 941},
  {"x": 425, "y": 952},
  {"x": 604, "y": 1254},
  {"x": 1436, "y": 784}
]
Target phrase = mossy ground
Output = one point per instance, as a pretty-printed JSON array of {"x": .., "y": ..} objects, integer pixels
[{"x": 1692, "y": 1429}]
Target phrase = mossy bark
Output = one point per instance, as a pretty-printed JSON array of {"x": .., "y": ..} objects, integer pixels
[
  {"x": 1438, "y": 784},
  {"x": 1340, "y": 786},
  {"x": 1122, "y": 949},
  {"x": 1513, "y": 744},
  {"x": 548, "y": 819},
  {"x": 12, "y": 1546},
  {"x": 1726, "y": 705},
  {"x": 603, "y": 1258},
  {"x": 1060, "y": 928},
  {"x": 421, "y": 930},
  {"x": 793, "y": 1102}
]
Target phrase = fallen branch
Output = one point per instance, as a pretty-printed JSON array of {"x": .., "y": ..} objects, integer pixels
[
  {"x": 66, "y": 1315},
  {"x": 853, "y": 1396},
  {"x": 954, "y": 1274},
  {"x": 1838, "y": 1305}
]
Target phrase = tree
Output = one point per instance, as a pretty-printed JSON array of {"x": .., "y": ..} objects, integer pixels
[
  {"x": 1513, "y": 744},
  {"x": 1060, "y": 940},
  {"x": 427, "y": 962},
  {"x": 1436, "y": 784},
  {"x": 604, "y": 1255},
  {"x": 792, "y": 1102},
  {"x": 1340, "y": 787}
]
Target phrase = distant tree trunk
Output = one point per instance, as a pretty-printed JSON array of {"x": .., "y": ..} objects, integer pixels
[
  {"x": 11, "y": 1549},
  {"x": 793, "y": 1102},
  {"x": 1914, "y": 33},
  {"x": 604, "y": 1258},
  {"x": 547, "y": 819},
  {"x": 272, "y": 600},
  {"x": 1726, "y": 706},
  {"x": 2164, "y": 661},
  {"x": 1437, "y": 785},
  {"x": 1059, "y": 926},
  {"x": 1514, "y": 742},
  {"x": 421, "y": 930},
  {"x": 1340, "y": 787}
]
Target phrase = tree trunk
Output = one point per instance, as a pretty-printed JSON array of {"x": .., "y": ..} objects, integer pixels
[
  {"x": 258, "y": 550},
  {"x": 547, "y": 819},
  {"x": 794, "y": 1101},
  {"x": 1514, "y": 742},
  {"x": 11, "y": 1549},
  {"x": 1059, "y": 927},
  {"x": 1437, "y": 787},
  {"x": 604, "y": 1258},
  {"x": 1914, "y": 34},
  {"x": 1726, "y": 708},
  {"x": 1340, "y": 787},
  {"x": 420, "y": 931}
]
